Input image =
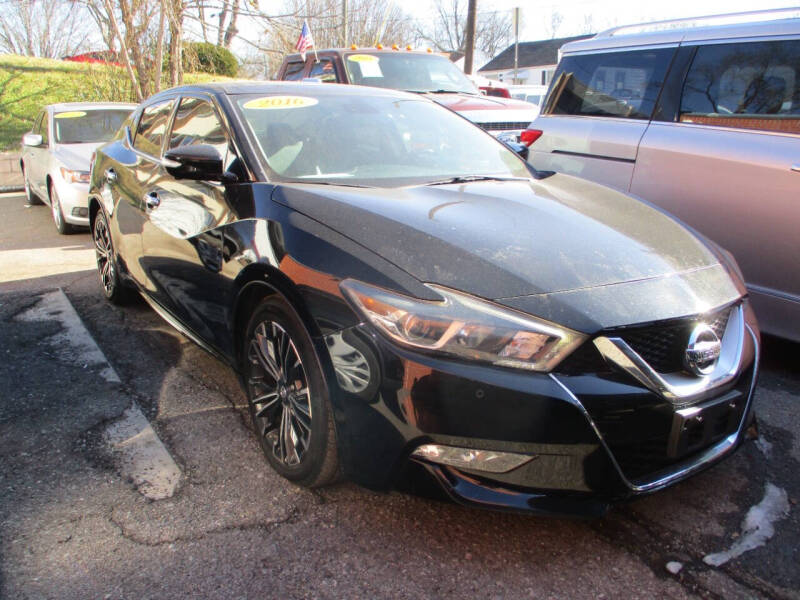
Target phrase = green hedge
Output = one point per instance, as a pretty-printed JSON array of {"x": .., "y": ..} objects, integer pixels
[
  {"x": 207, "y": 58},
  {"x": 27, "y": 84}
]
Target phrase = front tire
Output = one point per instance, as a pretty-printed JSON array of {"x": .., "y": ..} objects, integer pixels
[
  {"x": 30, "y": 197},
  {"x": 62, "y": 226},
  {"x": 113, "y": 287},
  {"x": 288, "y": 397}
]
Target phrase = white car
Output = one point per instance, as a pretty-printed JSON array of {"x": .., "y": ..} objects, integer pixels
[
  {"x": 57, "y": 152},
  {"x": 529, "y": 93}
]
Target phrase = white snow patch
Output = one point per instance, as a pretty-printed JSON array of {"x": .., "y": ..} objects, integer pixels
[
  {"x": 141, "y": 456},
  {"x": 674, "y": 567},
  {"x": 763, "y": 445},
  {"x": 758, "y": 525},
  {"x": 74, "y": 344}
]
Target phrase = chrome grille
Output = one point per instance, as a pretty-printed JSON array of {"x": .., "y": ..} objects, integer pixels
[
  {"x": 504, "y": 125},
  {"x": 663, "y": 345}
]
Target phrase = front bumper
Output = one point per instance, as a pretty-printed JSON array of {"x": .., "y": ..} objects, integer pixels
[
  {"x": 596, "y": 437},
  {"x": 74, "y": 198}
]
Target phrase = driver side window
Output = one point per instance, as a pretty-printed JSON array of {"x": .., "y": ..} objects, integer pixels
[{"x": 197, "y": 122}]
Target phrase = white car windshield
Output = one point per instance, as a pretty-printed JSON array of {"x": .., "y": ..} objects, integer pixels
[
  {"x": 84, "y": 126},
  {"x": 371, "y": 140}
]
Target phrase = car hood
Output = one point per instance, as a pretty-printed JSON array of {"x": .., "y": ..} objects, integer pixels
[
  {"x": 488, "y": 109},
  {"x": 526, "y": 244},
  {"x": 461, "y": 102},
  {"x": 76, "y": 156}
]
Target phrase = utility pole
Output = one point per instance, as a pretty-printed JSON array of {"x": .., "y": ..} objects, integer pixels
[
  {"x": 344, "y": 18},
  {"x": 516, "y": 44},
  {"x": 472, "y": 11}
]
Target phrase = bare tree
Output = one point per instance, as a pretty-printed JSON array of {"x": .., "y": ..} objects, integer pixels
[
  {"x": 588, "y": 23},
  {"x": 138, "y": 29},
  {"x": 46, "y": 28},
  {"x": 447, "y": 32},
  {"x": 556, "y": 18}
]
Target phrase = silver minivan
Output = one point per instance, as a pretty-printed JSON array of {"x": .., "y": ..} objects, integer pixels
[{"x": 702, "y": 118}]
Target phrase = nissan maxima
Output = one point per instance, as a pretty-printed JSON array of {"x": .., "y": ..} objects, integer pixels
[{"x": 406, "y": 300}]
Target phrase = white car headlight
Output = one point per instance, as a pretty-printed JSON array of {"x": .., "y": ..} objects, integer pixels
[
  {"x": 464, "y": 326},
  {"x": 75, "y": 176}
]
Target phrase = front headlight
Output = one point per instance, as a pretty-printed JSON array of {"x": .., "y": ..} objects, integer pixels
[
  {"x": 74, "y": 176},
  {"x": 464, "y": 326}
]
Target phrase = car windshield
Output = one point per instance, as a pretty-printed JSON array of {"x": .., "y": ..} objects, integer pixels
[
  {"x": 408, "y": 72},
  {"x": 383, "y": 141},
  {"x": 84, "y": 126}
]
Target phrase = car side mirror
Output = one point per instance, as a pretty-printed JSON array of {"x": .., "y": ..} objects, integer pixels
[
  {"x": 32, "y": 139},
  {"x": 200, "y": 162},
  {"x": 519, "y": 149}
]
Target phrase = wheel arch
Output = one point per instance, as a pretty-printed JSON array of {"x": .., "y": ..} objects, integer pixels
[
  {"x": 256, "y": 283},
  {"x": 94, "y": 208}
]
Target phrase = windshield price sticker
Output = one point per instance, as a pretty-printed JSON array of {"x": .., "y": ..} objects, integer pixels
[
  {"x": 74, "y": 114},
  {"x": 279, "y": 102},
  {"x": 363, "y": 58}
]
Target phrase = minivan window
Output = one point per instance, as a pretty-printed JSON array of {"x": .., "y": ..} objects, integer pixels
[
  {"x": 152, "y": 126},
  {"x": 294, "y": 71},
  {"x": 612, "y": 84},
  {"x": 754, "y": 85}
]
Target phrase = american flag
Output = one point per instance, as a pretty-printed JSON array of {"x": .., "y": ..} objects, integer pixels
[{"x": 305, "y": 41}]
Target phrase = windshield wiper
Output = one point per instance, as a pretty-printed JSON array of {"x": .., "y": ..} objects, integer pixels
[
  {"x": 441, "y": 91},
  {"x": 471, "y": 178}
]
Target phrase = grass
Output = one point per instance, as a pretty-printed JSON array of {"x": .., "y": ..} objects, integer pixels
[{"x": 27, "y": 84}]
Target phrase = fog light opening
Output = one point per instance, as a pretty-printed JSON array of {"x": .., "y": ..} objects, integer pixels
[
  {"x": 490, "y": 461},
  {"x": 80, "y": 212}
]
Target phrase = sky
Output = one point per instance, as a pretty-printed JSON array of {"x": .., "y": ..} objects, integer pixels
[
  {"x": 577, "y": 16},
  {"x": 599, "y": 14}
]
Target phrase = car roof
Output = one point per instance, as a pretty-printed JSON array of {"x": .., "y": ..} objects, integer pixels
[
  {"x": 365, "y": 50},
  {"x": 233, "y": 88},
  {"x": 717, "y": 27},
  {"x": 90, "y": 105}
]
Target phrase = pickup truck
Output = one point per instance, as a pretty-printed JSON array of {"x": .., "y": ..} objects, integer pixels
[{"x": 421, "y": 72}]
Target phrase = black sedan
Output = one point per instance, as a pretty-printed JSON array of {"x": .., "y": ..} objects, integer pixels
[{"x": 406, "y": 300}]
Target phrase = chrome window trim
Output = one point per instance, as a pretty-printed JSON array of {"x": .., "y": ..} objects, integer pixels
[
  {"x": 627, "y": 48},
  {"x": 725, "y": 128},
  {"x": 678, "y": 388}
]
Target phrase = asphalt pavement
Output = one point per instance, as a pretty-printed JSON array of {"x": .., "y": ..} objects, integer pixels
[{"x": 128, "y": 469}]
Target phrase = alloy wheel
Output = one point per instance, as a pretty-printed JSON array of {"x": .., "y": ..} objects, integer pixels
[
  {"x": 56, "y": 208},
  {"x": 104, "y": 255},
  {"x": 280, "y": 399}
]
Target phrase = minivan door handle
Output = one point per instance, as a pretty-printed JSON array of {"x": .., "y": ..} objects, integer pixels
[
  {"x": 796, "y": 168},
  {"x": 151, "y": 200}
]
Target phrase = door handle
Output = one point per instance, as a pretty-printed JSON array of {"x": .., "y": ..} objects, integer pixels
[
  {"x": 151, "y": 200},
  {"x": 111, "y": 175},
  {"x": 796, "y": 168}
]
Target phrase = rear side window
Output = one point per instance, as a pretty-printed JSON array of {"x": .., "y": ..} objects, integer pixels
[
  {"x": 152, "y": 126},
  {"x": 753, "y": 85},
  {"x": 324, "y": 70},
  {"x": 294, "y": 71},
  {"x": 612, "y": 84}
]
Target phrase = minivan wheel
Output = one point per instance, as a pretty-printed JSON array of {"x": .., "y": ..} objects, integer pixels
[
  {"x": 58, "y": 217},
  {"x": 113, "y": 287},
  {"x": 287, "y": 396}
]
